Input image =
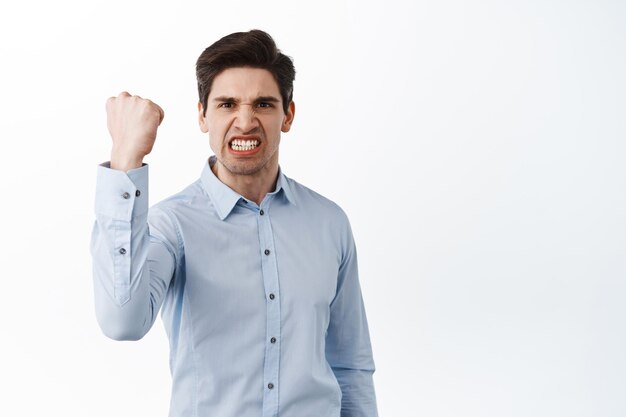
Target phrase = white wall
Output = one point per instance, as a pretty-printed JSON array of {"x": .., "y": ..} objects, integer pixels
[{"x": 478, "y": 148}]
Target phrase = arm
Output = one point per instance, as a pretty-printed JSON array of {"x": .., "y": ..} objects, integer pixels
[
  {"x": 133, "y": 261},
  {"x": 348, "y": 348}
]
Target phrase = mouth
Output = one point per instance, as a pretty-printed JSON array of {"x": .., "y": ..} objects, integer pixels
[{"x": 244, "y": 143}]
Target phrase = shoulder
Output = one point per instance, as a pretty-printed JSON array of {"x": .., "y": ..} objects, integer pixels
[
  {"x": 163, "y": 217},
  {"x": 329, "y": 217},
  {"x": 310, "y": 200},
  {"x": 186, "y": 197}
]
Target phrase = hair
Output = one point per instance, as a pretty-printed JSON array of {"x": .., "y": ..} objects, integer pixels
[{"x": 254, "y": 49}]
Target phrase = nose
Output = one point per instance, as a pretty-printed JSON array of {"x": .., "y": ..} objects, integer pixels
[{"x": 245, "y": 118}]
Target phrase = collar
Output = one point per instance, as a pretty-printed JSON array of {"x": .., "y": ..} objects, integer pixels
[{"x": 225, "y": 198}]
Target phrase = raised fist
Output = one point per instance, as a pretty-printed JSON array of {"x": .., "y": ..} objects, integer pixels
[{"x": 132, "y": 123}]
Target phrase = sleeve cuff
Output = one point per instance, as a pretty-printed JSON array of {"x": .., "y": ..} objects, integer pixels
[{"x": 121, "y": 195}]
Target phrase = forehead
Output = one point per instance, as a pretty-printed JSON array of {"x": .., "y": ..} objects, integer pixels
[{"x": 244, "y": 83}]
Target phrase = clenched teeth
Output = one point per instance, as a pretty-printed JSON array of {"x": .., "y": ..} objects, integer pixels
[{"x": 244, "y": 145}]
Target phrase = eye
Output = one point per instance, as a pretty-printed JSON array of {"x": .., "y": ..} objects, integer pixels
[
  {"x": 265, "y": 105},
  {"x": 226, "y": 105}
]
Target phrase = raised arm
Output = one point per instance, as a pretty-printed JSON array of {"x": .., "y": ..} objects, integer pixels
[{"x": 133, "y": 260}]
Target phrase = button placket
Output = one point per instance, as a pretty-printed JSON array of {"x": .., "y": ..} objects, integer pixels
[
  {"x": 121, "y": 261},
  {"x": 272, "y": 304}
]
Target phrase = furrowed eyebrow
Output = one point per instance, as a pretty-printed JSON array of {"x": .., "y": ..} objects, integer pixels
[
  {"x": 225, "y": 98},
  {"x": 269, "y": 99}
]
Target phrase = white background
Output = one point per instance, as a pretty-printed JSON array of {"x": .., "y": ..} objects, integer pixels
[{"x": 478, "y": 148}]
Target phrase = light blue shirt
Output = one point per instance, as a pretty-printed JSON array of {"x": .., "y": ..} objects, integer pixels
[{"x": 261, "y": 304}]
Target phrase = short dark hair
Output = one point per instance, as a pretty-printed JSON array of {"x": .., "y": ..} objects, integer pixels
[{"x": 254, "y": 49}]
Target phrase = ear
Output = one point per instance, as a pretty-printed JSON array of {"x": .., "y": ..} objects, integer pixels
[
  {"x": 204, "y": 127},
  {"x": 291, "y": 112}
]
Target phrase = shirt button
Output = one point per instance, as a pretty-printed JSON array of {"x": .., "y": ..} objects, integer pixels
[
  {"x": 126, "y": 196},
  {"x": 137, "y": 193},
  {"x": 267, "y": 251},
  {"x": 122, "y": 251},
  {"x": 273, "y": 340},
  {"x": 261, "y": 212},
  {"x": 270, "y": 385},
  {"x": 272, "y": 296}
]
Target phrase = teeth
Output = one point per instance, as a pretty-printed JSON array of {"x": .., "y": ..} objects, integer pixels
[{"x": 244, "y": 145}]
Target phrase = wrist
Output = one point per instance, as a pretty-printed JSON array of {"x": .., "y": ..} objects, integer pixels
[{"x": 123, "y": 161}]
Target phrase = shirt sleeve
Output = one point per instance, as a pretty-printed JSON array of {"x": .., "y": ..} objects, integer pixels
[
  {"x": 133, "y": 260},
  {"x": 348, "y": 347}
]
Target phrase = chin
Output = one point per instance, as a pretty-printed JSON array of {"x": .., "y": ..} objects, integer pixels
[{"x": 238, "y": 168}]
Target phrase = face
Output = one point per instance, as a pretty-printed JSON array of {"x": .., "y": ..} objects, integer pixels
[{"x": 244, "y": 119}]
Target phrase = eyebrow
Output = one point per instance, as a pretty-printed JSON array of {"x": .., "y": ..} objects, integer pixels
[{"x": 270, "y": 99}]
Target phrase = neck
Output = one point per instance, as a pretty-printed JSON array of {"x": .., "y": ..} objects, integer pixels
[{"x": 252, "y": 187}]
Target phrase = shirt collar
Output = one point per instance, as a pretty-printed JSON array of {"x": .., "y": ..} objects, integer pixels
[{"x": 225, "y": 198}]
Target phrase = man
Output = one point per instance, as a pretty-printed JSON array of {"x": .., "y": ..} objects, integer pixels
[{"x": 255, "y": 275}]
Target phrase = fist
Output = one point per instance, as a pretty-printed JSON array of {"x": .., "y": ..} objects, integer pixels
[{"x": 132, "y": 123}]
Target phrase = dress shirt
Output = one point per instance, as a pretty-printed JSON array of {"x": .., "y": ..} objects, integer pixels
[{"x": 261, "y": 304}]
